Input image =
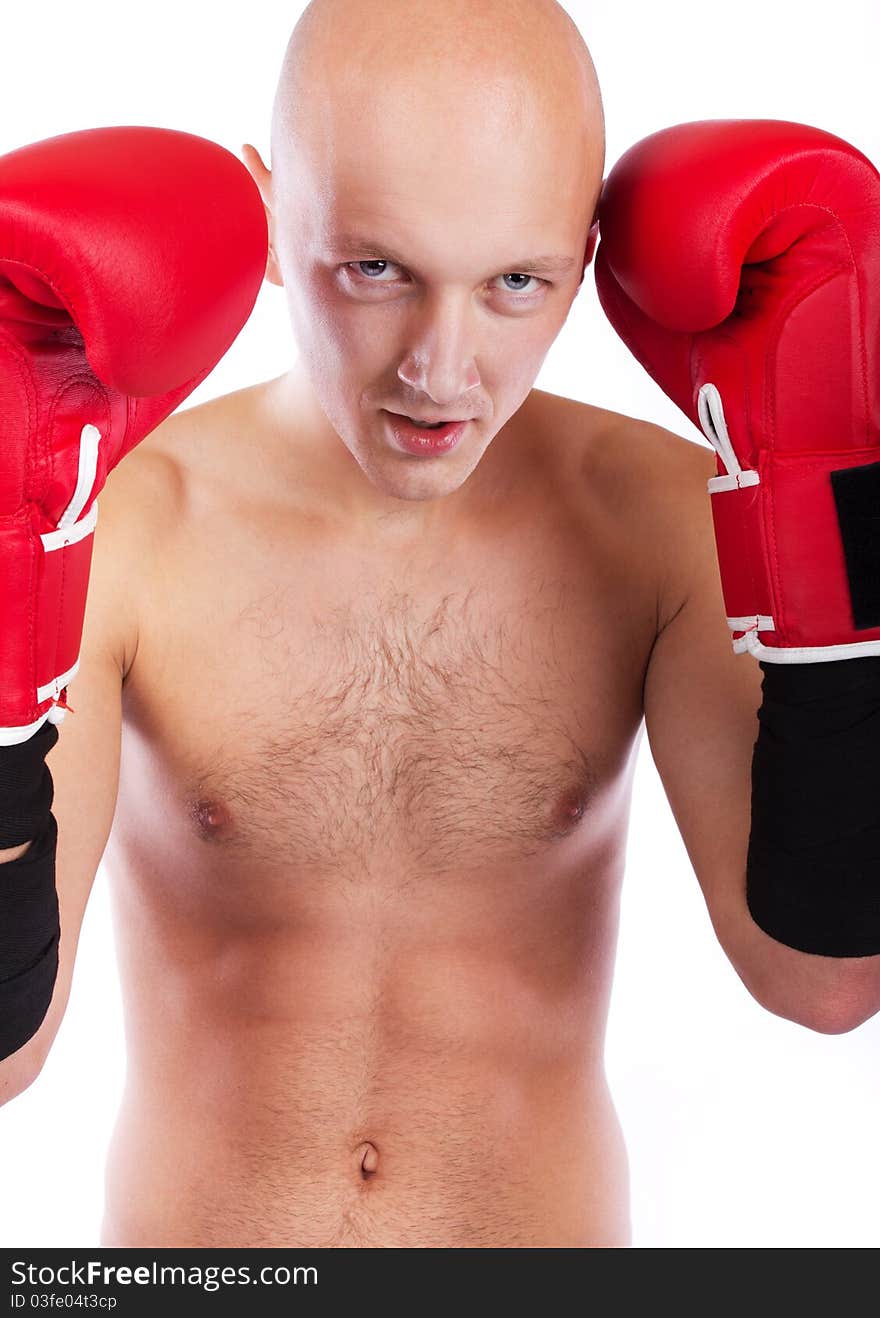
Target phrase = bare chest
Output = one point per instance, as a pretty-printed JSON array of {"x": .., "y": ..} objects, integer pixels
[{"x": 299, "y": 695}]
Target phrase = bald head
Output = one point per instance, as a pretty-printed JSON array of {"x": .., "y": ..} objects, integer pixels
[
  {"x": 435, "y": 167},
  {"x": 456, "y": 73}
]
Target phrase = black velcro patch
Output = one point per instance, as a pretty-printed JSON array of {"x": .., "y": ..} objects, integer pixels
[{"x": 857, "y": 496}]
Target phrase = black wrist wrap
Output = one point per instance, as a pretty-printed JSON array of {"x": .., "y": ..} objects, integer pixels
[
  {"x": 813, "y": 870},
  {"x": 25, "y": 786},
  {"x": 29, "y": 923}
]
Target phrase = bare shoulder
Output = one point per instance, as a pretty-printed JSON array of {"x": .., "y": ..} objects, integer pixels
[
  {"x": 152, "y": 484},
  {"x": 663, "y": 477},
  {"x": 202, "y": 452},
  {"x": 132, "y": 493},
  {"x": 621, "y": 450},
  {"x": 142, "y": 510},
  {"x": 649, "y": 483}
]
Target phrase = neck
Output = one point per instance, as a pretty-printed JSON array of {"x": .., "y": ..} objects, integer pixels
[{"x": 409, "y": 503}]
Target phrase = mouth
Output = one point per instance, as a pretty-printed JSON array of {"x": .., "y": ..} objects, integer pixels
[
  {"x": 429, "y": 423},
  {"x": 424, "y": 436}
]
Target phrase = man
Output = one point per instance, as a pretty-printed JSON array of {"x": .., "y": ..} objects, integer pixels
[{"x": 367, "y": 711}]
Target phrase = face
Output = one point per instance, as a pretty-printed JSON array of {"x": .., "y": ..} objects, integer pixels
[{"x": 428, "y": 268}]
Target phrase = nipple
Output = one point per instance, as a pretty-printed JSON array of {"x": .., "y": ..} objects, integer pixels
[
  {"x": 571, "y": 808},
  {"x": 209, "y": 816}
]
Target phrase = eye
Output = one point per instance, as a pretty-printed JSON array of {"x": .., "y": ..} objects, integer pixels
[
  {"x": 368, "y": 270},
  {"x": 376, "y": 270},
  {"x": 519, "y": 288}
]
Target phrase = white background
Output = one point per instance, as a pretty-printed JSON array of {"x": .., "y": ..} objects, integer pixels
[{"x": 743, "y": 1129}]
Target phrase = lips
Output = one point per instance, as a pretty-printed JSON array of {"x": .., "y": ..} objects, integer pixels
[
  {"x": 421, "y": 438},
  {"x": 430, "y": 421}
]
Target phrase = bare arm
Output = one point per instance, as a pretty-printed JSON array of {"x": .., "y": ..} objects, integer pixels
[
  {"x": 84, "y": 763},
  {"x": 701, "y": 703}
]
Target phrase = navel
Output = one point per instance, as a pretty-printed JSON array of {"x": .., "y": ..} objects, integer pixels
[{"x": 367, "y": 1156}]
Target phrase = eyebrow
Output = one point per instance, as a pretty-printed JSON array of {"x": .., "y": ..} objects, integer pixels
[{"x": 357, "y": 243}]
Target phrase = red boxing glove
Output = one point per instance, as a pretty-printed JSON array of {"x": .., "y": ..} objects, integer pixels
[
  {"x": 130, "y": 259},
  {"x": 739, "y": 261}
]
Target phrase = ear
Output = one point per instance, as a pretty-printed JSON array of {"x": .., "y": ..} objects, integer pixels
[
  {"x": 263, "y": 179},
  {"x": 592, "y": 239}
]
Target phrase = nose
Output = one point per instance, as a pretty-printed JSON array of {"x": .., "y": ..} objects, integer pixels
[{"x": 440, "y": 362}]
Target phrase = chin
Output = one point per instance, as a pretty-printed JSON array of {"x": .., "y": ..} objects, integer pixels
[{"x": 411, "y": 485}]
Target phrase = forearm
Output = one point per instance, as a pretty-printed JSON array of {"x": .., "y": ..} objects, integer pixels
[
  {"x": 828, "y": 994},
  {"x": 29, "y": 918},
  {"x": 814, "y": 851},
  {"x": 813, "y": 869}
]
